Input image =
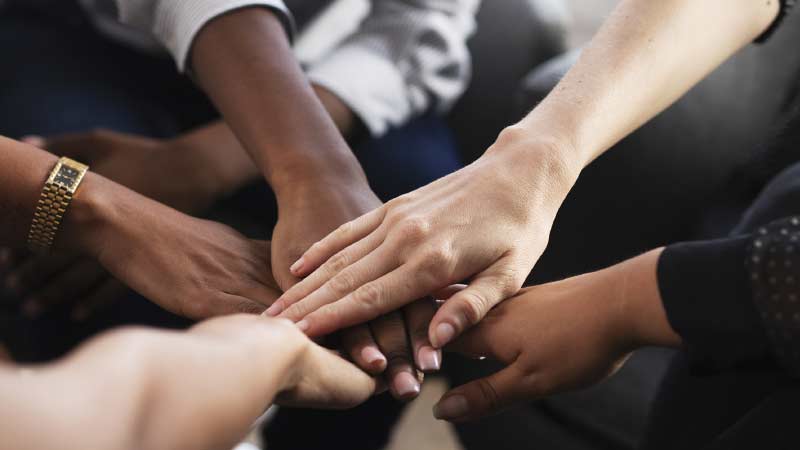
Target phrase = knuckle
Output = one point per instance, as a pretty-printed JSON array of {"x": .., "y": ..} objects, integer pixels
[
  {"x": 474, "y": 307},
  {"x": 342, "y": 283},
  {"x": 298, "y": 310},
  {"x": 369, "y": 296},
  {"x": 337, "y": 263},
  {"x": 413, "y": 229},
  {"x": 489, "y": 394},
  {"x": 437, "y": 259},
  {"x": 343, "y": 230}
]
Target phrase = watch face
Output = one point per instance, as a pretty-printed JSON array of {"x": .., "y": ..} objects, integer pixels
[{"x": 66, "y": 176}]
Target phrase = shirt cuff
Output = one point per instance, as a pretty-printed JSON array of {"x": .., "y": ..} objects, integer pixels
[
  {"x": 177, "y": 22},
  {"x": 708, "y": 300},
  {"x": 368, "y": 83}
]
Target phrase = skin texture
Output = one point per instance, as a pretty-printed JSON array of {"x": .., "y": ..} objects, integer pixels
[
  {"x": 318, "y": 181},
  {"x": 610, "y": 313},
  {"x": 149, "y": 399},
  {"x": 489, "y": 222},
  {"x": 314, "y": 174},
  {"x": 146, "y": 166}
]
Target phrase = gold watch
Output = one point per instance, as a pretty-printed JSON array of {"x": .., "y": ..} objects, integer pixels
[{"x": 53, "y": 203}]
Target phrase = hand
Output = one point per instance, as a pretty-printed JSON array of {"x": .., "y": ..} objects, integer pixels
[
  {"x": 145, "y": 165},
  {"x": 488, "y": 222},
  {"x": 307, "y": 214},
  {"x": 313, "y": 376},
  {"x": 561, "y": 336},
  {"x": 58, "y": 280},
  {"x": 188, "y": 266}
]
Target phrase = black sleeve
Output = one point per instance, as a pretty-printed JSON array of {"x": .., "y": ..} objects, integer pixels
[
  {"x": 736, "y": 302},
  {"x": 708, "y": 300},
  {"x": 786, "y": 6}
]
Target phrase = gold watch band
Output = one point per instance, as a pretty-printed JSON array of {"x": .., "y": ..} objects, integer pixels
[{"x": 53, "y": 203}]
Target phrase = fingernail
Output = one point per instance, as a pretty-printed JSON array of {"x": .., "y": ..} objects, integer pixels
[
  {"x": 303, "y": 325},
  {"x": 274, "y": 309},
  {"x": 406, "y": 385},
  {"x": 296, "y": 266},
  {"x": 444, "y": 334},
  {"x": 373, "y": 357},
  {"x": 452, "y": 407},
  {"x": 428, "y": 359},
  {"x": 31, "y": 308}
]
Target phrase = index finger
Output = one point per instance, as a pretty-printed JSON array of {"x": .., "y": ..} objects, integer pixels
[
  {"x": 376, "y": 298},
  {"x": 337, "y": 240}
]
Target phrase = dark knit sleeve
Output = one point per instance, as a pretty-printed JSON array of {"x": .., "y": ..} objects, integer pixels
[
  {"x": 706, "y": 293},
  {"x": 774, "y": 270},
  {"x": 786, "y": 7},
  {"x": 736, "y": 301}
]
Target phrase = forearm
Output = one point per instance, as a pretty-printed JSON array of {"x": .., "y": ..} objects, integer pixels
[
  {"x": 213, "y": 159},
  {"x": 644, "y": 58},
  {"x": 142, "y": 389},
  {"x": 22, "y": 175},
  {"x": 271, "y": 106}
]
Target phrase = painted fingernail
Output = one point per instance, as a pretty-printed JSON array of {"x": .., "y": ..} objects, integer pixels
[
  {"x": 451, "y": 407},
  {"x": 296, "y": 266},
  {"x": 373, "y": 357},
  {"x": 406, "y": 385},
  {"x": 303, "y": 325},
  {"x": 274, "y": 309},
  {"x": 428, "y": 359},
  {"x": 444, "y": 334}
]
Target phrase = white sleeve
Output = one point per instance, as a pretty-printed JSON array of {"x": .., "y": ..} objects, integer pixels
[
  {"x": 406, "y": 57},
  {"x": 175, "y": 23}
]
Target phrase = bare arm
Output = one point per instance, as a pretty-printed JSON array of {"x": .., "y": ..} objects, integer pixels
[
  {"x": 144, "y": 389},
  {"x": 270, "y": 106},
  {"x": 646, "y": 56},
  {"x": 490, "y": 221}
]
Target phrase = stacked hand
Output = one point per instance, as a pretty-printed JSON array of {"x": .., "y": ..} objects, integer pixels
[
  {"x": 487, "y": 223},
  {"x": 149, "y": 167},
  {"x": 312, "y": 376},
  {"x": 561, "y": 336},
  {"x": 395, "y": 343}
]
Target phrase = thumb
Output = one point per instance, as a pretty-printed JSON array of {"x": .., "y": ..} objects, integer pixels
[
  {"x": 470, "y": 305},
  {"x": 482, "y": 397}
]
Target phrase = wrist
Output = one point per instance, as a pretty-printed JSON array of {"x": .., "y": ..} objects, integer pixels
[
  {"x": 641, "y": 313},
  {"x": 88, "y": 216},
  {"x": 334, "y": 170},
  {"x": 540, "y": 163}
]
